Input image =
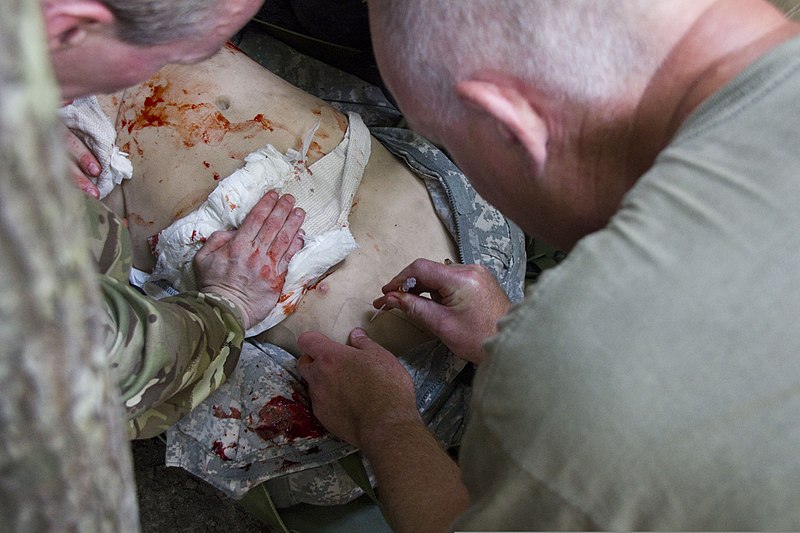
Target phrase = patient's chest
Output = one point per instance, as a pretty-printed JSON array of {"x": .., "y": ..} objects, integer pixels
[
  {"x": 393, "y": 222},
  {"x": 190, "y": 126}
]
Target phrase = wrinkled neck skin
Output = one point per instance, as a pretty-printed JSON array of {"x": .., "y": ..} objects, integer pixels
[
  {"x": 598, "y": 157},
  {"x": 587, "y": 177},
  {"x": 718, "y": 45}
]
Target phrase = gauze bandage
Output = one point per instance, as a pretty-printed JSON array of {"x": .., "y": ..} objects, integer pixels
[
  {"x": 325, "y": 190},
  {"x": 88, "y": 122}
]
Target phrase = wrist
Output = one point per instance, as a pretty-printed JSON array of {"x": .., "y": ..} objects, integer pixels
[
  {"x": 236, "y": 303},
  {"x": 390, "y": 431}
]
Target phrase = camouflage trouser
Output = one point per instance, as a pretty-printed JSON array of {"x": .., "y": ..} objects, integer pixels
[{"x": 258, "y": 427}]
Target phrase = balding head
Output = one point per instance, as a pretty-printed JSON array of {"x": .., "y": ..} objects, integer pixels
[
  {"x": 579, "y": 50},
  {"x": 536, "y": 101},
  {"x": 148, "y": 22},
  {"x": 100, "y": 46}
]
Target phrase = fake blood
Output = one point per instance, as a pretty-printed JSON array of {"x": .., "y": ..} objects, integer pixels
[
  {"x": 290, "y": 419},
  {"x": 218, "y": 448},
  {"x": 219, "y": 412},
  {"x": 265, "y": 123},
  {"x": 193, "y": 122},
  {"x": 152, "y": 240}
]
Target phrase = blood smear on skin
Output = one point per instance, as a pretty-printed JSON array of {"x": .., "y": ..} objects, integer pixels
[{"x": 193, "y": 122}]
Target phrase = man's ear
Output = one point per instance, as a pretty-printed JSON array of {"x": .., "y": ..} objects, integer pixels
[
  {"x": 67, "y": 21},
  {"x": 516, "y": 118}
]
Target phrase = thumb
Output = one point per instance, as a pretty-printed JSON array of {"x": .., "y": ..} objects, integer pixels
[
  {"x": 424, "y": 311},
  {"x": 359, "y": 339},
  {"x": 215, "y": 241},
  {"x": 313, "y": 343}
]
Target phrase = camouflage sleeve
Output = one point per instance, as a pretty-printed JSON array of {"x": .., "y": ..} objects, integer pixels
[{"x": 167, "y": 355}]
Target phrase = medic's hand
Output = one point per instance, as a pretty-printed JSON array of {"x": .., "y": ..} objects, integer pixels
[
  {"x": 83, "y": 167},
  {"x": 359, "y": 390},
  {"x": 248, "y": 265},
  {"x": 464, "y": 305}
]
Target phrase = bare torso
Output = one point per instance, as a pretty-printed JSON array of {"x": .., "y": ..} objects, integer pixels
[{"x": 190, "y": 126}]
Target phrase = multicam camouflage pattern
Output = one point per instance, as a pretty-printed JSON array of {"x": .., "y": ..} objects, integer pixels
[
  {"x": 167, "y": 355},
  {"x": 220, "y": 441}
]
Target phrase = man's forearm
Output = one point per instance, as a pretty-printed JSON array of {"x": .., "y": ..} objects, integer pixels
[
  {"x": 167, "y": 355},
  {"x": 419, "y": 484}
]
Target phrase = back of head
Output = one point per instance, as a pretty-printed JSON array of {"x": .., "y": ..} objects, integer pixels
[
  {"x": 149, "y": 22},
  {"x": 577, "y": 50}
]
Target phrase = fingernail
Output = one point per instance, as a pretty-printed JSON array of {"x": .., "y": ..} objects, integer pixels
[
  {"x": 273, "y": 195},
  {"x": 94, "y": 170},
  {"x": 298, "y": 211},
  {"x": 358, "y": 332},
  {"x": 289, "y": 198}
]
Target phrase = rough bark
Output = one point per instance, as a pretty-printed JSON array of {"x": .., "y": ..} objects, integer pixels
[{"x": 64, "y": 457}]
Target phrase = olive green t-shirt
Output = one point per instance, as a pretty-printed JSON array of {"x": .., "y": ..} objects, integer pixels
[{"x": 652, "y": 380}]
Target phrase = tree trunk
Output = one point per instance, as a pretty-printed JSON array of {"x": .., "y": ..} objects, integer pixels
[{"x": 64, "y": 457}]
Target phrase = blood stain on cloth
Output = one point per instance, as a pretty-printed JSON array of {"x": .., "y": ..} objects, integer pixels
[
  {"x": 291, "y": 307},
  {"x": 315, "y": 148},
  {"x": 316, "y": 284},
  {"x": 219, "y": 448},
  {"x": 152, "y": 240},
  {"x": 231, "y": 205},
  {"x": 283, "y": 297},
  {"x": 287, "y": 418},
  {"x": 219, "y": 412},
  {"x": 286, "y": 464}
]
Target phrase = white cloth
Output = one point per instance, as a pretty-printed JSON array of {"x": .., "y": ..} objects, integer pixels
[
  {"x": 88, "y": 122},
  {"x": 325, "y": 190}
]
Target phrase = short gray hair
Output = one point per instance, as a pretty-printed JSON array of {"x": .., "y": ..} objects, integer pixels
[
  {"x": 150, "y": 22},
  {"x": 579, "y": 50}
]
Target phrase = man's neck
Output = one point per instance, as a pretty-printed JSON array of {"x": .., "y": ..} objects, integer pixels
[{"x": 723, "y": 41}]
